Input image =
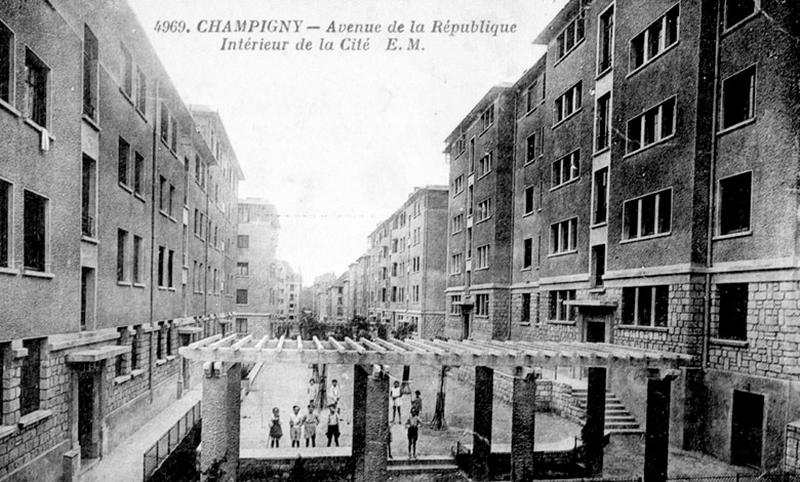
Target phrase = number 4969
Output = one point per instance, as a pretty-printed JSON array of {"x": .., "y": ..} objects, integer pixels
[{"x": 170, "y": 26}]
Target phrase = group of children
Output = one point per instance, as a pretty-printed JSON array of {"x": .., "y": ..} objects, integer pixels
[{"x": 306, "y": 424}]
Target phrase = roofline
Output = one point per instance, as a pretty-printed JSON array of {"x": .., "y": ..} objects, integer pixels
[
  {"x": 548, "y": 33},
  {"x": 493, "y": 93}
]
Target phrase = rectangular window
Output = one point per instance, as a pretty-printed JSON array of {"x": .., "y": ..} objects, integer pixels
[
  {"x": 565, "y": 169},
  {"x": 733, "y": 311},
  {"x": 243, "y": 241},
  {"x": 605, "y": 40},
  {"x": 527, "y": 253},
  {"x": 127, "y": 71},
  {"x": 734, "y": 208},
  {"x": 122, "y": 242},
  {"x": 123, "y": 158},
  {"x": 90, "y": 73},
  {"x": 654, "y": 125},
  {"x": 559, "y": 310},
  {"x": 739, "y": 97},
  {"x": 470, "y": 192},
  {"x": 655, "y": 39},
  {"x": 173, "y": 143},
  {"x": 568, "y": 103},
  {"x": 137, "y": 259},
  {"x": 564, "y": 236},
  {"x": 570, "y": 37},
  {"x": 455, "y": 304},
  {"x": 161, "y": 252},
  {"x": 647, "y": 216},
  {"x": 243, "y": 268},
  {"x": 602, "y": 123},
  {"x": 455, "y": 263},
  {"x": 529, "y": 197},
  {"x": 484, "y": 209},
  {"x": 6, "y": 63},
  {"x": 738, "y": 10},
  {"x": 472, "y": 154},
  {"x": 487, "y": 117},
  {"x": 162, "y": 194},
  {"x": 170, "y": 268},
  {"x": 138, "y": 173},
  {"x": 525, "y": 311},
  {"x": 241, "y": 297},
  {"x": 30, "y": 378},
  {"x": 483, "y": 257},
  {"x": 88, "y": 191},
  {"x": 241, "y": 326},
  {"x": 35, "y": 225},
  {"x": 598, "y": 265},
  {"x": 645, "y": 306},
  {"x": 600, "y": 198},
  {"x": 141, "y": 91},
  {"x": 164, "y": 123},
  {"x": 485, "y": 164},
  {"x": 5, "y": 223},
  {"x": 482, "y": 304},
  {"x": 36, "y": 79},
  {"x": 458, "y": 184},
  {"x": 530, "y": 152},
  {"x": 171, "y": 202}
]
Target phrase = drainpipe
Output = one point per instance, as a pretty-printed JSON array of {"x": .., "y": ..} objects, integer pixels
[
  {"x": 153, "y": 240},
  {"x": 711, "y": 197},
  {"x": 513, "y": 213}
]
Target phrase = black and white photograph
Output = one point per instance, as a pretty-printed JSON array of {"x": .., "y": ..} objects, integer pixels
[{"x": 399, "y": 240}]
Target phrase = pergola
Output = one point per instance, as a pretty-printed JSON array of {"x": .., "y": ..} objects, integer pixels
[{"x": 223, "y": 357}]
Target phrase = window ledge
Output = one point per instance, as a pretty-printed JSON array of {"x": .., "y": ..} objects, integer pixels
[
  {"x": 139, "y": 197},
  {"x": 657, "y": 329},
  {"x": 10, "y": 108},
  {"x": 137, "y": 372},
  {"x": 562, "y": 253},
  {"x": 649, "y": 146},
  {"x": 524, "y": 323},
  {"x": 741, "y": 22},
  {"x": 599, "y": 225},
  {"x": 90, "y": 239},
  {"x": 525, "y": 215},
  {"x": 126, "y": 96},
  {"x": 721, "y": 237},
  {"x": 597, "y": 290},
  {"x": 39, "y": 128},
  {"x": 729, "y": 343},
  {"x": 125, "y": 186},
  {"x": 171, "y": 357},
  {"x": 160, "y": 362},
  {"x": 142, "y": 115},
  {"x": 9, "y": 271},
  {"x": 566, "y": 54},
  {"x": 483, "y": 220},
  {"x": 92, "y": 123},
  {"x": 527, "y": 268},
  {"x": 171, "y": 288},
  {"x": 38, "y": 274},
  {"x": 139, "y": 285},
  {"x": 6, "y": 430},
  {"x": 737, "y": 126},
  {"x": 645, "y": 238},
  {"x": 122, "y": 379},
  {"x": 565, "y": 119},
  {"x": 33, "y": 418},
  {"x": 561, "y": 322},
  {"x": 123, "y": 283},
  {"x": 602, "y": 151},
  {"x": 567, "y": 183},
  {"x": 605, "y": 71},
  {"x": 486, "y": 129}
]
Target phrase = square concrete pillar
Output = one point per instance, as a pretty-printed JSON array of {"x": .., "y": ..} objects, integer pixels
[
  {"x": 376, "y": 427},
  {"x": 361, "y": 375},
  {"x": 523, "y": 423},
  {"x": 656, "y": 444},
  {"x": 219, "y": 459},
  {"x": 594, "y": 429},
  {"x": 482, "y": 422}
]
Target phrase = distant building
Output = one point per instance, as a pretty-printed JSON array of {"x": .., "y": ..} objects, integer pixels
[{"x": 322, "y": 304}]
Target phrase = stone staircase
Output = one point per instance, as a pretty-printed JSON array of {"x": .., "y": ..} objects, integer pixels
[
  {"x": 428, "y": 466},
  {"x": 618, "y": 419}
]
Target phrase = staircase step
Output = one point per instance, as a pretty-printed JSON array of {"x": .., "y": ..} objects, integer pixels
[
  {"x": 413, "y": 469},
  {"x": 624, "y": 431},
  {"x": 421, "y": 461}
]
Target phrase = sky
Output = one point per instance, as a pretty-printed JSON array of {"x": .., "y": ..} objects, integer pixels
[{"x": 337, "y": 140}]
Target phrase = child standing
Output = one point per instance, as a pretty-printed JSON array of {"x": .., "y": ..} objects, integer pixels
[
  {"x": 310, "y": 421},
  {"x": 397, "y": 402},
  {"x": 295, "y": 425},
  {"x": 333, "y": 426},
  {"x": 311, "y": 391},
  {"x": 413, "y": 433},
  {"x": 275, "y": 430},
  {"x": 335, "y": 393},
  {"x": 416, "y": 403}
]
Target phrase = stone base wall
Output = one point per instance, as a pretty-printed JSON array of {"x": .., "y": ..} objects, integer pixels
[
  {"x": 432, "y": 325},
  {"x": 791, "y": 458}
]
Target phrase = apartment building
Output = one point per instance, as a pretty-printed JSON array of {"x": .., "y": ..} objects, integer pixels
[
  {"x": 358, "y": 276},
  {"x": 479, "y": 233},
  {"x": 655, "y": 162},
  {"x": 94, "y": 203},
  {"x": 323, "y": 308},
  {"x": 402, "y": 276},
  {"x": 292, "y": 283}
]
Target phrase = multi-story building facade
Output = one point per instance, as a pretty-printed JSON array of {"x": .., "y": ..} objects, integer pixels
[
  {"x": 292, "y": 283},
  {"x": 358, "y": 276},
  {"x": 479, "y": 218},
  {"x": 322, "y": 303},
  {"x": 404, "y": 270},
  {"x": 96, "y": 198},
  {"x": 649, "y": 210}
]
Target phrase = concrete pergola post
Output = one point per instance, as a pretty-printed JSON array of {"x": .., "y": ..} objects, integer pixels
[
  {"x": 219, "y": 459},
  {"x": 360, "y": 379},
  {"x": 594, "y": 429},
  {"x": 370, "y": 457},
  {"x": 523, "y": 423},
  {"x": 482, "y": 422},
  {"x": 656, "y": 447}
]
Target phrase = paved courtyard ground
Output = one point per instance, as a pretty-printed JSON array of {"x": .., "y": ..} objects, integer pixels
[{"x": 285, "y": 385}]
